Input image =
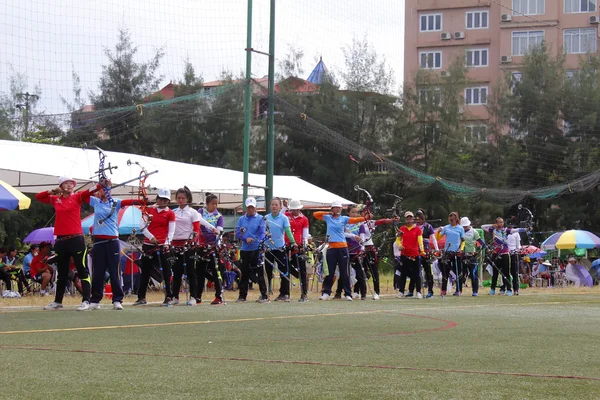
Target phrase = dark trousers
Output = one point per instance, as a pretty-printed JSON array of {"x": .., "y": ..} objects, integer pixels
[
  {"x": 209, "y": 267},
  {"x": 514, "y": 271},
  {"x": 5, "y": 277},
  {"x": 372, "y": 263},
  {"x": 65, "y": 249},
  {"x": 361, "y": 278},
  {"x": 502, "y": 263},
  {"x": 252, "y": 269},
  {"x": 472, "y": 268},
  {"x": 410, "y": 268},
  {"x": 298, "y": 269},
  {"x": 152, "y": 259},
  {"x": 106, "y": 256},
  {"x": 279, "y": 259},
  {"x": 426, "y": 265},
  {"x": 183, "y": 266},
  {"x": 451, "y": 263},
  {"x": 337, "y": 258}
]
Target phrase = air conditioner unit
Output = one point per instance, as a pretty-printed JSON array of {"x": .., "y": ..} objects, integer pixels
[
  {"x": 506, "y": 59},
  {"x": 594, "y": 20},
  {"x": 444, "y": 74},
  {"x": 506, "y": 17},
  {"x": 446, "y": 36},
  {"x": 459, "y": 35}
]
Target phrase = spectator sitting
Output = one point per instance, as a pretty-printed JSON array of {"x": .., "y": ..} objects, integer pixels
[
  {"x": 14, "y": 270},
  {"x": 73, "y": 277},
  {"x": 40, "y": 271},
  {"x": 526, "y": 273},
  {"x": 4, "y": 275},
  {"x": 33, "y": 250}
]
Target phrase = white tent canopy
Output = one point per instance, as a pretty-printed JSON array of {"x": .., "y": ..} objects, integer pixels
[{"x": 33, "y": 167}]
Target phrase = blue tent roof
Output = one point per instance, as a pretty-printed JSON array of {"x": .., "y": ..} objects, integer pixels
[{"x": 318, "y": 73}]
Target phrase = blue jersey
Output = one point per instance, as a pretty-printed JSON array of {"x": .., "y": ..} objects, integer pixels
[
  {"x": 276, "y": 226},
  {"x": 335, "y": 227},
  {"x": 250, "y": 227},
  {"x": 454, "y": 236},
  {"x": 105, "y": 217}
]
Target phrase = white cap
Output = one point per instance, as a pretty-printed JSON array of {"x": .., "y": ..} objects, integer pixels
[
  {"x": 464, "y": 221},
  {"x": 336, "y": 204},
  {"x": 250, "y": 202},
  {"x": 164, "y": 193},
  {"x": 64, "y": 179},
  {"x": 572, "y": 259},
  {"x": 547, "y": 263},
  {"x": 409, "y": 214},
  {"x": 295, "y": 205}
]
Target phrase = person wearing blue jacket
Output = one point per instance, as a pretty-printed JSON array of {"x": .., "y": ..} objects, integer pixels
[{"x": 251, "y": 231}]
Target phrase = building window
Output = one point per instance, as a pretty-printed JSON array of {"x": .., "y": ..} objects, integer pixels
[
  {"x": 431, "y": 23},
  {"x": 578, "y": 41},
  {"x": 529, "y": 7},
  {"x": 516, "y": 79},
  {"x": 430, "y": 96},
  {"x": 432, "y": 133},
  {"x": 580, "y": 6},
  {"x": 477, "y": 58},
  {"x": 476, "y": 134},
  {"x": 523, "y": 42},
  {"x": 476, "y": 95},
  {"x": 477, "y": 20},
  {"x": 431, "y": 59}
]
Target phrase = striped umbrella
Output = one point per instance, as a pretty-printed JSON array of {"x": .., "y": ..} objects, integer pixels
[
  {"x": 128, "y": 219},
  {"x": 12, "y": 199},
  {"x": 571, "y": 239}
]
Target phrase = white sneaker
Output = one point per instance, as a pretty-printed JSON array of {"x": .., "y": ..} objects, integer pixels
[
  {"x": 94, "y": 306},
  {"x": 419, "y": 295},
  {"x": 375, "y": 296},
  {"x": 53, "y": 306},
  {"x": 324, "y": 296},
  {"x": 174, "y": 302},
  {"x": 355, "y": 295},
  {"x": 84, "y": 306},
  {"x": 400, "y": 295},
  {"x": 349, "y": 298},
  {"x": 117, "y": 305},
  {"x": 192, "y": 302}
]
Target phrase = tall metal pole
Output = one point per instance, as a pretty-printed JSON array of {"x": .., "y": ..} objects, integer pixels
[
  {"x": 248, "y": 103},
  {"x": 271, "y": 130}
]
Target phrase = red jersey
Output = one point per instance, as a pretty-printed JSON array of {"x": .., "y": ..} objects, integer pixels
[
  {"x": 37, "y": 262},
  {"x": 159, "y": 225},
  {"x": 297, "y": 225},
  {"x": 68, "y": 211},
  {"x": 412, "y": 241}
]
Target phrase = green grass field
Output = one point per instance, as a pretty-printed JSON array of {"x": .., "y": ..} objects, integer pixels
[{"x": 532, "y": 346}]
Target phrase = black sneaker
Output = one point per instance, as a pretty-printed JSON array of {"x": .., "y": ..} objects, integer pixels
[
  {"x": 167, "y": 302},
  {"x": 337, "y": 296},
  {"x": 263, "y": 300},
  {"x": 240, "y": 300},
  {"x": 198, "y": 300},
  {"x": 140, "y": 302},
  {"x": 217, "y": 301},
  {"x": 280, "y": 298},
  {"x": 303, "y": 299},
  {"x": 409, "y": 294}
]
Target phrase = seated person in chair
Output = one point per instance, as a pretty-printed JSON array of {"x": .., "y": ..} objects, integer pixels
[{"x": 41, "y": 271}]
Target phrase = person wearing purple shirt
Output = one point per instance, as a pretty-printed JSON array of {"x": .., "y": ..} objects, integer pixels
[{"x": 208, "y": 238}]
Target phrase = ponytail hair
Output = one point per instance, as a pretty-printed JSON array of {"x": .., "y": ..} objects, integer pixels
[
  {"x": 187, "y": 192},
  {"x": 210, "y": 197}
]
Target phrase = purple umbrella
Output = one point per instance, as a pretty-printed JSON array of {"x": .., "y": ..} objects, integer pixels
[
  {"x": 579, "y": 275},
  {"x": 40, "y": 235}
]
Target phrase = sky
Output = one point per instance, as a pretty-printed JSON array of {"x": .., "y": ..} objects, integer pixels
[{"x": 47, "y": 40}]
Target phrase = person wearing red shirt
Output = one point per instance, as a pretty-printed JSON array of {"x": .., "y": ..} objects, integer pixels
[
  {"x": 159, "y": 234},
  {"x": 410, "y": 244},
  {"x": 69, "y": 238},
  {"x": 299, "y": 226},
  {"x": 40, "y": 271}
]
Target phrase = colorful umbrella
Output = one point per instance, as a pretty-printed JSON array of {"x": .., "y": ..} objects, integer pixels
[
  {"x": 12, "y": 199},
  {"x": 40, "y": 235},
  {"x": 128, "y": 219},
  {"x": 530, "y": 249},
  {"x": 571, "y": 239}
]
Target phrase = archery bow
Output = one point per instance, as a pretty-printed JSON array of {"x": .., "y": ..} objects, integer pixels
[
  {"x": 529, "y": 221},
  {"x": 142, "y": 193},
  {"x": 103, "y": 181}
]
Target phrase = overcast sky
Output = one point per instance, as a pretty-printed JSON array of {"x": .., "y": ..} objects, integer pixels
[{"x": 47, "y": 39}]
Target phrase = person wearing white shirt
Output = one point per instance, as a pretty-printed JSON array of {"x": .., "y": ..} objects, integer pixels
[{"x": 513, "y": 241}]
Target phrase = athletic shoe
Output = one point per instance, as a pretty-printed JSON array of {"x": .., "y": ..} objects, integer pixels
[
  {"x": 84, "y": 306},
  {"x": 192, "y": 302},
  {"x": 409, "y": 294},
  {"x": 363, "y": 298},
  {"x": 492, "y": 292},
  {"x": 216, "y": 301},
  {"x": 53, "y": 306},
  {"x": 174, "y": 302},
  {"x": 117, "y": 305},
  {"x": 303, "y": 299},
  {"x": 286, "y": 298},
  {"x": 240, "y": 300},
  {"x": 509, "y": 293},
  {"x": 348, "y": 298},
  {"x": 475, "y": 294},
  {"x": 325, "y": 296},
  {"x": 355, "y": 295},
  {"x": 94, "y": 306},
  {"x": 375, "y": 296},
  {"x": 140, "y": 302},
  {"x": 501, "y": 292},
  {"x": 456, "y": 294},
  {"x": 167, "y": 302},
  {"x": 198, "y": 300},
  {"x": 516, "y": 293},
  {"x": 400, "y": 295},
  {"x": 419, "y": 295},
  {"x": 429, "y": 295},
  {"x": 263, "y": 300},
  {"x": 280, "y": 298},
  {"x": 443, "y": 294},
  {"x": 337, "y": 296}
]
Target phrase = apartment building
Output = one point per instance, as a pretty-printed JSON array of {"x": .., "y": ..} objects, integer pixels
[{"x": 493, "y": 36}]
